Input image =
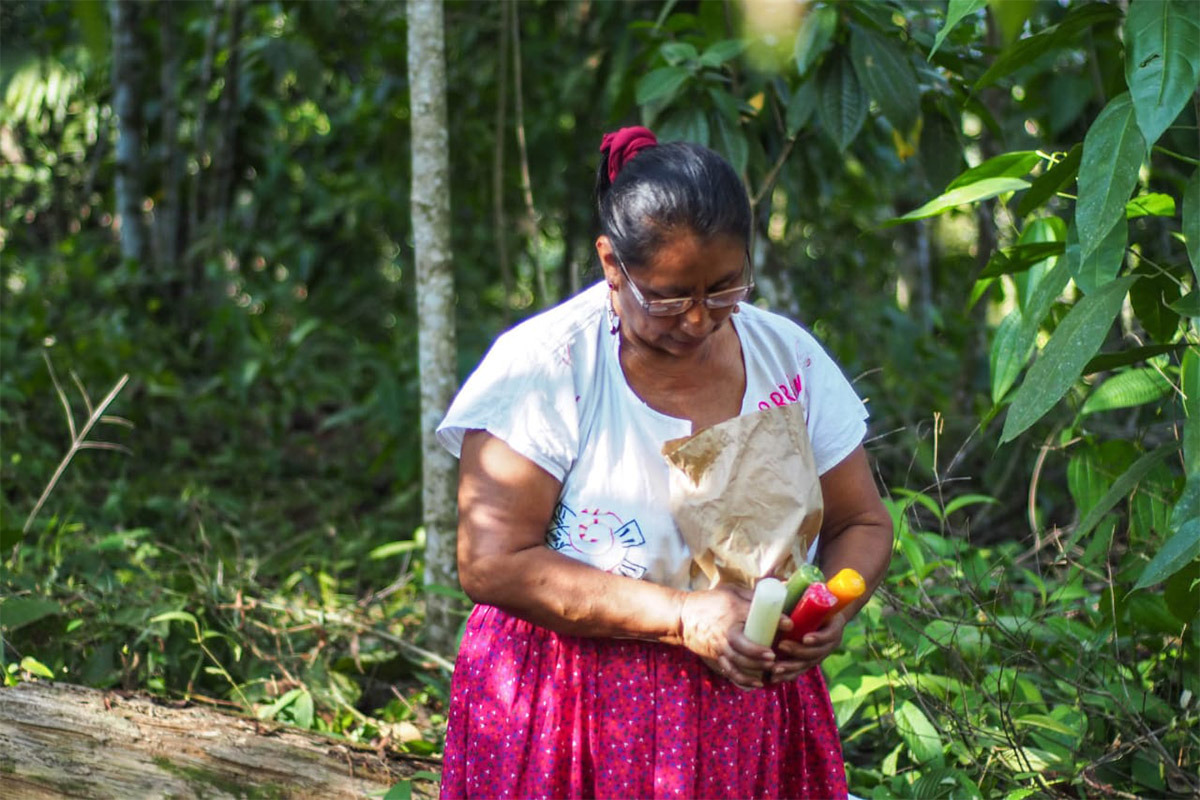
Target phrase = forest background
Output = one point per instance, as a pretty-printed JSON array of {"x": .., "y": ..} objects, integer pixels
[{"x": 989, "y": 213}]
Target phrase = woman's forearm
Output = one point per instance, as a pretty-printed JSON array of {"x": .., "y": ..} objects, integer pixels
[{"x": 567, "y": 596}]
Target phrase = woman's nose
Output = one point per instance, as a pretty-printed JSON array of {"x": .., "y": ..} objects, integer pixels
[{"x": 697, "y": 317}]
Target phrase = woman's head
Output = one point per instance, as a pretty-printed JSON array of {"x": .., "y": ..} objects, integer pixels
[{"x": 648, "y": 193}]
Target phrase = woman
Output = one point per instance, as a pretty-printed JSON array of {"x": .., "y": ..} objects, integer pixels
[{"x": 589, "y": 667}]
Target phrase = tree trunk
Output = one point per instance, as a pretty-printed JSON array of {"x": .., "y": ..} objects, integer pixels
[
  {"x": 169, "y": 213},
  {"x": 127, "y": 60},
  {"x": 435, "y": 308},
  {"x": 58, "y": 740},
  {"x": 227, "y": 153}
]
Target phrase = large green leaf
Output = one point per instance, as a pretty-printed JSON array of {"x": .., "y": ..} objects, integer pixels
[
  {"x": 923, "y": 740},
  {"x": 884, "y": 70},
  {"x": 1134, "y": 387},
  {"x": 1189, "y": 384},
  {"x": 1121, "y": 489},
  {"x": 1051, "y": 182},
  {"x": 815, "y": 34},
  {"x": 1150, "y": 204},
  {"x": 1024, "y": 51},
  {"x": 1009, "y": 355},
  {"x": 973, "y": 193},
  {"x": 732, "y": 142},
  {"x": 1106, "y": 361},
  {"x": 1112, "y": 155},
  {"x": 1162, "y": 61},
  {"x": 1044, "y": 231},
  {"x": 1074, "y": 342},
  {"x": 661, "y": 84},
  {"x": 1094, "y": 269},
  {"x": 956, "y": 12},
  {"x": 842, "y": 104},
  {"x": 1020, "y": 257},
  {"x": 801, "y": 106},
  {"x": 1191, "y": 222},
  {"x": 1016, "y": 164},
  {"x": 16, "y": 612},
  {"x": 1151, "y": 301},
  {"x": 1176, "y": 553}
]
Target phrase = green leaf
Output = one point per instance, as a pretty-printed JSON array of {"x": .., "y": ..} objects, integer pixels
[
  {"x": 1043, "y": 229},
  {"x": 267, "y": 712},
  {"x": 1151, "y": 300},
  {"x": 1051, "y": 182},
  {"x": 814, "y": 36},
  {"x": 675, "y": 53},
  {"x": 841, "y": 104},
  {"x": 400, "y": 791},
  {"x": 973, "y": 193},
  {"x": 1112, "y": 155},
  {"x": 35, "y": 667},
  {"x": 1151, "y": 204},
  {"x": 964, "y": 500},
  {"x": 1074, "y": 342},
  {"x": 1010, "y": 16},
  {"x": 801, "y": 106},
  {"x": 1048, "y": 723},
  {"x": 1189, "y": 385},
  {"x": 1020, "y": 257},
  {"x": 1191, "y": 222},
  {"x": 1016, "y": 164},
  {"x": 1188, "y": 305},
  {"x": 956, "y": 12},
  {"x": 17, "y": 612},
  {"x": 1176, "y": 553},
  {"x": 1162, "y": 61},
  {"x": 922, "y": 738},
  {"x": 718, "y": 53},
  {"x": 175, "y": 616},
  {"x": 1127, "y": 389},
  {"x": 1121, "y": 489},
  {"x": 1096, "y": 268},
  {"x": 393, "y": 549},
  {"x": 1010, "y": 352},
  {"x": 1025, "y": 51},
  {"x": 732, "y": 144},
  {"x": 1109, "y": 361},
  {"x": 661, "y": 84},
  {"x": 883, "y": 68},
  {"x": 1087, "y": 480}
]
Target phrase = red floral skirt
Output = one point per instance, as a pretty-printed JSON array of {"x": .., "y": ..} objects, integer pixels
[{"x": 538, "y": 714}]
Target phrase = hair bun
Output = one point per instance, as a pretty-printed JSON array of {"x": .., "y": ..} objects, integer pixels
[{"x": 624, "y": 144}]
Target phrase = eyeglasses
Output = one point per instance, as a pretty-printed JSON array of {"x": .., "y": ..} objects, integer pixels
[{"x": 673, "y": 307}]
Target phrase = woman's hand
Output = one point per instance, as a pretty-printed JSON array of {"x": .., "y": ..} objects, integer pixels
[
  {"x": 711, "y": 627},
  {"x": 796, "y": 658}
]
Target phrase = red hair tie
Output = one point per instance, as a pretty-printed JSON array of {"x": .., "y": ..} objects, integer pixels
[{"x": 624, "y": 145}]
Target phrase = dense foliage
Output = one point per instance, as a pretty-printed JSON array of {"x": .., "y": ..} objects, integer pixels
[{"x": 989, "y": 212}]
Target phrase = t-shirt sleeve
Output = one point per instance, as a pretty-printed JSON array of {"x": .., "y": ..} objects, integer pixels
[
  {"x": 524, "y": 395},
  {"x": 837, "y": 418}
]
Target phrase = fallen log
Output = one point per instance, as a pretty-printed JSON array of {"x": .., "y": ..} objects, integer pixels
[{"x": 59, "y": 740}]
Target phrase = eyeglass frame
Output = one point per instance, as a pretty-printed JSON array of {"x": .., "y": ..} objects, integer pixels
[{"x": 690, "y": 300}]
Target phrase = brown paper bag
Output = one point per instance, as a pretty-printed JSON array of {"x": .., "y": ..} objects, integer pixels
[{"x": 746, "y": 496}]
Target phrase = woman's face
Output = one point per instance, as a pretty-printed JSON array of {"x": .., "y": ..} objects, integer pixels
[{"x": 684, "y": 266}]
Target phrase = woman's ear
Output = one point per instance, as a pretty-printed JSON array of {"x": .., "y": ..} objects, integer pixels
[{"x": 608, "y": 261}]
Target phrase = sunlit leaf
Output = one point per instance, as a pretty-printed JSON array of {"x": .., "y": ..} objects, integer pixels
[
  {"x": 923, "y": 740},
  {"x": 956, "y": 12},
  {"x": 1020, "y": 257},
  {"x": 963, "y": 195},
  {"x": 1162, "y": 61},
  {"x": 1009, "y": 355},
  {"x": 1112, "y": 155},
  {"x": 1127, "y": 389},
  {"x": 1016, "y": 164},
  {"x": 1151, "y": 204},
  {"x": 35, "y": 667},
  {"x": 1074, "y": 342}
]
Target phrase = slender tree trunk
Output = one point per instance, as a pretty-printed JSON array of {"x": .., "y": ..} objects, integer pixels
[
  {"x": 196, "y": 204},
  {"x": 435, "y": 306},
  {"x": 127, "y": 105},
  {"x": 169, "y": 214},
  {"x": 532, "y": 223}
]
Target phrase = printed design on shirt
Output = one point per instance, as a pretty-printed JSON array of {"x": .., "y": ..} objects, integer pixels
[
  {"x": 601, "y": 538},
  {"x": 789, "y": 392}
]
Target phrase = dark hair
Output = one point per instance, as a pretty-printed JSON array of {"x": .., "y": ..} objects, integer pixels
[{"x": 667, "y": 189}]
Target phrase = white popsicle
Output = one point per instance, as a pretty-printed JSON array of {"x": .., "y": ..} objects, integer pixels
[{"x": 765, "y": 609}]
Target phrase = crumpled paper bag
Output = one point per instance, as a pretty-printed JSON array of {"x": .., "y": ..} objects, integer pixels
[{"x": 746, "y": 496}]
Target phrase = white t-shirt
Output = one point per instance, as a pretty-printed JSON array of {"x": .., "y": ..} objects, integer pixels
[{"x": 552, "y": 388}]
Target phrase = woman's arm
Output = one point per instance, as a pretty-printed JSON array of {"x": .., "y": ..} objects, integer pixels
[
  {"x": 505, "y": 504},
  {"x": 856, "y": 532}
]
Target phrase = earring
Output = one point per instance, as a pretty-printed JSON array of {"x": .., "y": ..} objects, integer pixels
[
  {"x": 736, "y": 309},
  {"x": 614, "y": 321}
]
